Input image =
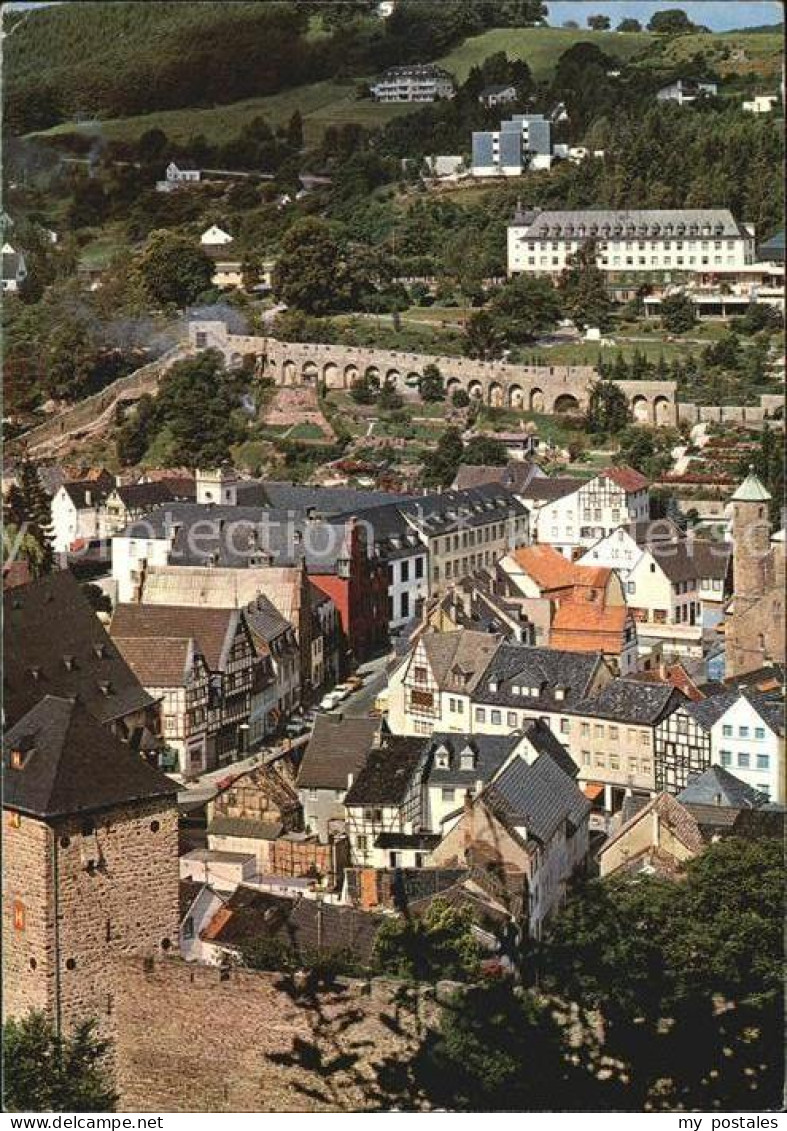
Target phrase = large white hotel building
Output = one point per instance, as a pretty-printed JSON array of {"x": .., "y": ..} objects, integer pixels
[{"x": 669, "y": 241}]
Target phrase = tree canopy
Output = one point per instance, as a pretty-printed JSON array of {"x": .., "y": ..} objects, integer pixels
[{"x": 43, "y": 1072}]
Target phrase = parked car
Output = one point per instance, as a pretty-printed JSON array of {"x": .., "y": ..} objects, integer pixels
[
  {"x": 331, "y": 700},
  {"x": 343, "y": 690}
]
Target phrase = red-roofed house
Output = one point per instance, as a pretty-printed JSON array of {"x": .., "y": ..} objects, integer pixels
[{"x": 579, "y": 626}]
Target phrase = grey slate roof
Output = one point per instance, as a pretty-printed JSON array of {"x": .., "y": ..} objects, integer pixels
[
  {"x": 692, "y": 559},
  {"x": 265, "y": 620},
  {"x": 337, "y": 748},
  {"x": 607, "y": 223},
  {"x": 138, "y": 495},
  {"x": 54, "y": 644},
  {"x": 386, "y": 777},
  {"x": 707, "y": 712},
  {"x": 515, "y": 476},
  {"x": 538, "y": 796},
  {"x": 543, "y": 490},
  {"x": 547, "y": 669},
  {"x": 490, "y": 752},
  {"x": 717, "y": 786},
  {"x": 245, "y": 827},
  {"x": 72, "y": 764},
  {"x": 86, "y": 493},
  {"x": 545, "y": 742},
  {"x": 630, "y": 701}
]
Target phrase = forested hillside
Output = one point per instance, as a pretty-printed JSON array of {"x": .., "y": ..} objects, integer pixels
[{"x": 119, "y": 59}]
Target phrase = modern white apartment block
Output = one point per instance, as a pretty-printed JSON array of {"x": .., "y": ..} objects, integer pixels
[
  {"x": 423, "y": 83},
  {"x": 671, "y": 241},
  {"x": 523, "y": 142}
]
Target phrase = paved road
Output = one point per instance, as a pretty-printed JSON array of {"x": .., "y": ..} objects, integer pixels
[{"x": 375, "y": 679}]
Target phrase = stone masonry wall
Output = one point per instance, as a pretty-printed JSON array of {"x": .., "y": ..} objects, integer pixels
[
  {"x": 197, "y": 1038},
  {"x": 28, "y": 949}
]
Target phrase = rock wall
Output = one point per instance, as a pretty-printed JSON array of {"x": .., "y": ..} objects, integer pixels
[{"x": 197, "y": 1038}]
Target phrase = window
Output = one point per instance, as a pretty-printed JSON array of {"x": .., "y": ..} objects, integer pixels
[
  {"x": 313, "y": 795},
  {"x": 759, "y": 732},
  {"x": 19, "y": 915},
  {"x": 584, "y": 730},
  {"x": 188, "y": 928},
  {"x": 360, "y": 842},
  {"x": 405, "y": 605},
  {"x": 14, "y": 819},
  {"x": 598, "y": 731},
  {"x": 613, "y": 734},
  {"x": 763, "y": 762},
  {"x": 743, "y": 732},
  {"x": 420, "y": 675},
  {"x": 726, "y": 731},
  {"x": 585, "y": 757},
  {"x": 480, "y": 715},
  {"x": 744, "y": 759},
  {"x": 726, "y": 758},
  {"x": 564, "y": 726},
  {"x": 17, "y": 758},
  {"x": 511, "y": 718},
  {"x": 404, "y": 574},
  {"x": 394, "y": 859},
  {"x": 497, "y": 718},
  {"x": 447, "y": 794}
]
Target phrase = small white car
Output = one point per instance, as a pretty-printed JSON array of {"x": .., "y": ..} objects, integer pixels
[
  {"x": 329, "y": 701},
  {"x": 343, "y": 690}
]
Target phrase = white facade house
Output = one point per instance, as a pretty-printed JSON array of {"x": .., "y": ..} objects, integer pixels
[
  {"x": 77, "y": 514},
  {"x": 748, "y": 740},
  {"x": 415, "y": 83},
  {"x": 761, "y": 104},
  {"x": 214, "y": 236},
  {"x": 14, "y": 268},
  {"x": 582, "y": 516},
  {"x": 646, "y": 241},
  {"x": 175, "y": 178},
  {"x": 686, "y": 91}
]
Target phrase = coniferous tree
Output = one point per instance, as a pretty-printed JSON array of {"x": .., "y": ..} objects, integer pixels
[{"x": 45, "y": 1072}]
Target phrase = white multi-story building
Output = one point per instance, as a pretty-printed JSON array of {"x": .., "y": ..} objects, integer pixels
[
  {"x": 670, "y": 241},
  {"x": 417, "y": 83},
  {"x": 78, "y": 513},
  {"x": 524, "y": 142},
  {"x": 576, "y": 515},
  {"x": 746, "y": 738},
  {"x": 686, "y": 91}
]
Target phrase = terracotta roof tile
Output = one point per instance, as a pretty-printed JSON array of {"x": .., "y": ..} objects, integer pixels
[{"x": 626, "y": 478}]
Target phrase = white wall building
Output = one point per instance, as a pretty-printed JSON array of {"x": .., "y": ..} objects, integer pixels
[
  {"x": 214, "y": 236},
  {"x": 748, "y": 740},
  {"x": 578, "y": 518},
  {"x": 672, "y": 241},
  {"x": 77, "y": 514},
  {"x": 415, "y": 83}
]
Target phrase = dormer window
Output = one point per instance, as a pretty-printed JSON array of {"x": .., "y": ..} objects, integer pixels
[
  {"x": 70, "y": 663},
  {"x": 493, "y": 685},
  {"x": 467, "y": 759},
  {"x": 560, "y": 693},
  {"x": 17, "y": 759},
  {"x": 442, "y": 758}
]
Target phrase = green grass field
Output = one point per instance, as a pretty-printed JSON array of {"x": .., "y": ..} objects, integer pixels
[
  {"x": 321, "y": 104},
  {"x": 540, "y": 47}
]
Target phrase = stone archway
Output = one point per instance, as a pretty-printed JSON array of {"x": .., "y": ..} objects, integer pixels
[
  {"x": 288, "y": 373},
  {"x": 476, "y": 390},
  {"x": 393, "y": 378},
  {"x": 451, "y": 386},
  {"x": 372, "y": 373},
  {"x": 350, "y": 375},
  {"x": 413, "y": 380},
  {"x": 330, "y": 375},
  {"x": 310, "y": 373},
  {"x": 566, "y": 403},
  {"x": 516, "y": 397},
  {"x": 662, "y": 411},
  {"x": 496, "y": 395},
  {"x": 639, "y": 409},
  {"x": 236, "y": 360},
  {"x": 537, "y": 403}
]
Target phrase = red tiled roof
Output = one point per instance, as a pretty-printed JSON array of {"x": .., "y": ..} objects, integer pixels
[
  {"x": 626, "y": 478},
  {"x": 551, "y": 570},
  {"x": 579, "y": 626}
]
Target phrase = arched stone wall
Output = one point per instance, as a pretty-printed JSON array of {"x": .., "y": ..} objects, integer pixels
[{"x": 535, "y": 388}]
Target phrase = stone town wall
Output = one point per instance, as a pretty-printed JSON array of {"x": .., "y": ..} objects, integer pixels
[
  {"x": 550, "y": 389},
  {"x": 198, "y": 1038},
  {"x": 117, "y": 878}
]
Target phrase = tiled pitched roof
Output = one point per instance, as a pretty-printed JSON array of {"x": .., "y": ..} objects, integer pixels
[
  {"x": 673, "y": 814},
  {"x": 72, "y": 764},
  {"x": 224, "y": 588},
  {"x": 629, "y": 701},
  {"x": 547, "y": 566},
  {"x": 386, "y": 777},
  {"x": 211, "y": 629},
  {"x": 541, "y": 738},
  {"x": 538, "y": 796},
  {"x": 515, "y": 476},
  {"x": 626, "y": 478},
  {"x": 85, "y": 493},
  {"x": 301, "y": 925},
  {"x": 457, "y": 659},
  {"x": 164, "y": 662},
  {"x": 548, "y": 490},
  {"x": 244, "y": 828},
  {"x": 54, "y": 644},
  {"x": 137, "y": 495},
  {"x": 549, "y": 670},
  {"x": 337, "y": 748},
  {"x": 717, "y": 786},
  {"x": 490, "y": 752},
  {"x": 583, "y": 627}
]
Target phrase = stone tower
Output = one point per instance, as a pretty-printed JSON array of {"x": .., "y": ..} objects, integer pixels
[
  {"x": 754, "y": 630},
  {"x": 751, "y": 535},
  {"x": 90, "y": 868}
]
